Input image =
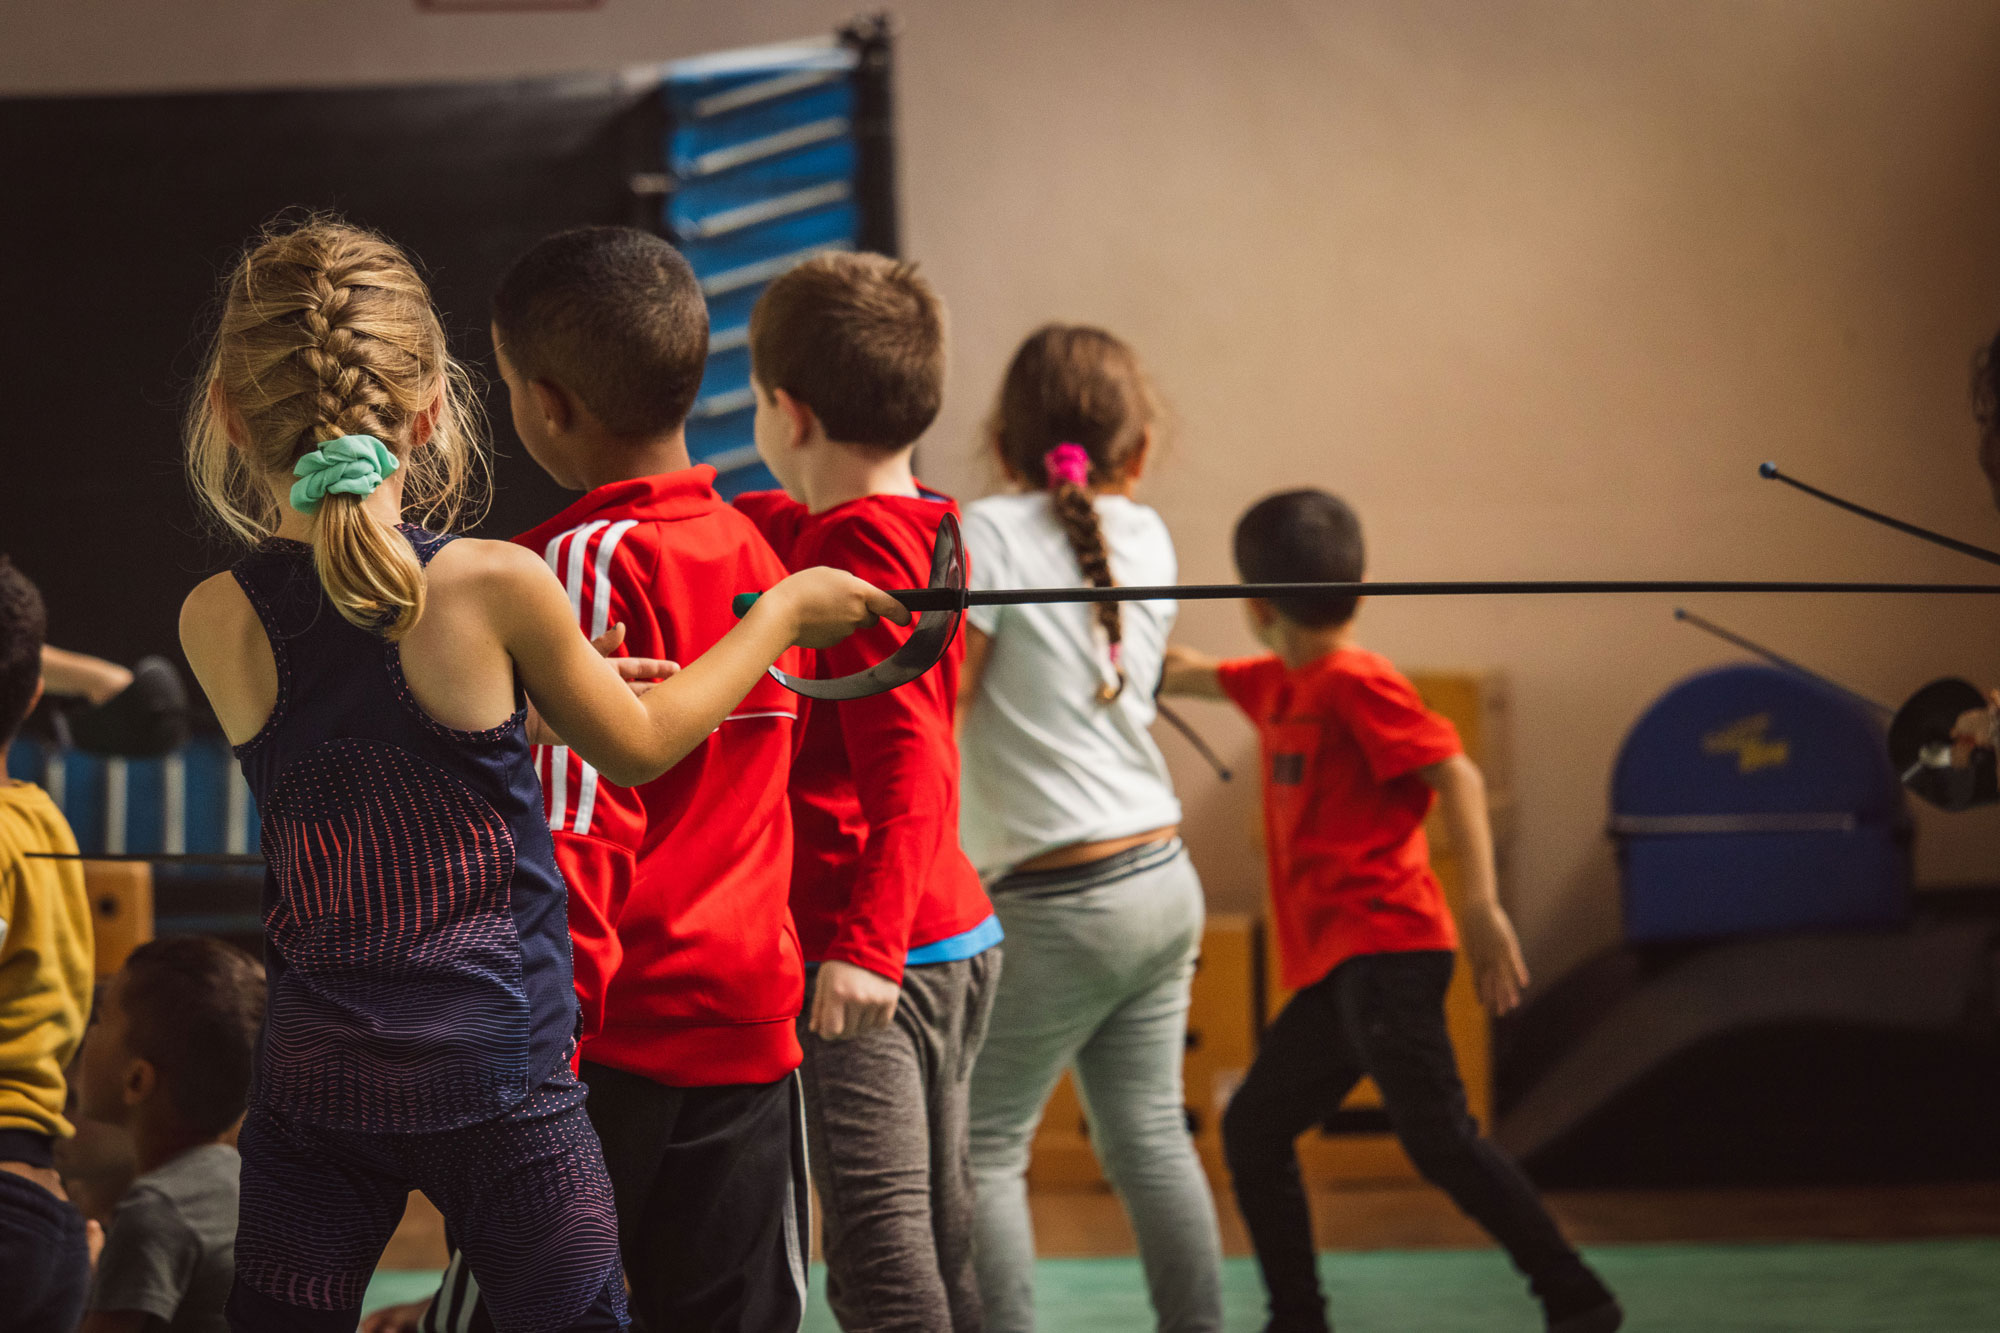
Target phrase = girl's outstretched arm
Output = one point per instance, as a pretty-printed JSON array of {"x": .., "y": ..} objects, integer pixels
[{"x": 632, "y": 739}]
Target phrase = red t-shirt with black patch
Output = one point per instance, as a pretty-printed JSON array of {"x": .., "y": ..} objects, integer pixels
[{"x": 1344, "y": 806}]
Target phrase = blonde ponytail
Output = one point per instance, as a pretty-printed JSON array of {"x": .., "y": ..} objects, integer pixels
[
  {"x": 370, "y": 574},
  {"x": 327, "y": 331}
]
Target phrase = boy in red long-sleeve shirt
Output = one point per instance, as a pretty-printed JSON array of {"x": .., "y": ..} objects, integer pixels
[
  {"x": 847, "y": 360},
  {"x": 687, "y": 963},
  {"x": 1352, "y": 763}
]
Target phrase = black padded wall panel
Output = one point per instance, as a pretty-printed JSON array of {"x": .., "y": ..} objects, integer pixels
[{"x": 118, "y": 218}]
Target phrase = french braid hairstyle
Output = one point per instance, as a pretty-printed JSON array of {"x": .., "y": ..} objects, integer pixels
[
  {"x": 327, "y": 330},
  {"x": 1070, "y": 384}
]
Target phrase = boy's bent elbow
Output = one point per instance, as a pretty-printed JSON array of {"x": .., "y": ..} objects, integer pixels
[{"x": 1456, "y": 776}]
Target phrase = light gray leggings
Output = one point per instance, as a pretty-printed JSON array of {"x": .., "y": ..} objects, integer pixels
[{"x": 1099, "y": 959}]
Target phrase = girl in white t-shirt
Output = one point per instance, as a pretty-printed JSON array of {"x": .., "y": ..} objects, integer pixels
[{"x": 1068, "y": 812}]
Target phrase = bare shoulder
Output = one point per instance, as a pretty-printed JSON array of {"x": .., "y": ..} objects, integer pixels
[
  {"x": 214, "y": 615},
  {"x": 499, "y": 578},
  {"x": 477, "y": 563},
  {"x": 231, "y": 658}
]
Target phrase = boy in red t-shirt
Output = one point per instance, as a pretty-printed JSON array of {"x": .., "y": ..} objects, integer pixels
[
  {"x": 687, "y": 964},
  {"x": 1352, "y": 762},
  {"x": 901, "y": 944}
]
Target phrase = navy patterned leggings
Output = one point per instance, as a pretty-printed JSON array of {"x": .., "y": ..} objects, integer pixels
[{"x": 525, "y": 1195}]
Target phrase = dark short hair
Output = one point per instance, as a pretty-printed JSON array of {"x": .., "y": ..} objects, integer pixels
[
  {"x": 1303, "y": 536},
  {"x": 24, "y": 627},
  {"x": 859, "y": 339},
  {"x": 615, "y": 316},
  {"x": 193, "y": 1006}
]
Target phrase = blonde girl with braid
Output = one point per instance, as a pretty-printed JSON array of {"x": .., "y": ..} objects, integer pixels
[
  {"x": 372, "y": 674},
  {"x": 1068, "y": 812}
]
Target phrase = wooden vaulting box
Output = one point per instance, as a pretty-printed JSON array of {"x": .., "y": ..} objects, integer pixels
[
  {"x": 1235, "y": 993},
  {"x": 121, "y": 909}
]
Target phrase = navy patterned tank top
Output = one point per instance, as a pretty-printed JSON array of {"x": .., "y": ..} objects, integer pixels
[{"x": 419, "y": 952}]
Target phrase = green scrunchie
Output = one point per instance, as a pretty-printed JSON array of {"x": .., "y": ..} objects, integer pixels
[{"x": 351, "y": 465}]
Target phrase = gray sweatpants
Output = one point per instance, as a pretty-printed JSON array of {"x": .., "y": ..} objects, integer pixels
[
  {"x": 886, "y": 1144},
  {"x": 1099, "y": 959}
]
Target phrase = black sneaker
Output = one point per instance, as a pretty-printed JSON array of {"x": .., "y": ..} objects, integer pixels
[
  {"x": 1577, "y": 1301},
  {"x": 1300, "y": 1321}
]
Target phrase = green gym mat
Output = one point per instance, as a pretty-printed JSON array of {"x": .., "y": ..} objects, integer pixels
[{"x": 1929, "y": 1286}]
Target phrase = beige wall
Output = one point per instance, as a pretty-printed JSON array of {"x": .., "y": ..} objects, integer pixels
[{"x": 1535, "y": 285}]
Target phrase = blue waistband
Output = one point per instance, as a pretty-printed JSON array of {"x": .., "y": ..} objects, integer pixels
[{"x": 966, "y": 944}]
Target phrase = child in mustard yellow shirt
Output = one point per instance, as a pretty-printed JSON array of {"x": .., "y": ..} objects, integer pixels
[{"x": 45, "y": 977}]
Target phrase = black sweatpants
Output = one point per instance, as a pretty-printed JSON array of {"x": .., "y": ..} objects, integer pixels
[
  {"x": 714, "y": 1215},
  {"x": 1379, "y": 1015},
  {"x": 44, "y": 1261}
]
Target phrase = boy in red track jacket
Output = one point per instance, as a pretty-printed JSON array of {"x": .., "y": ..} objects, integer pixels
[
  {"x": 847, "y": 359},
  {"x": 678, "y": 889}
]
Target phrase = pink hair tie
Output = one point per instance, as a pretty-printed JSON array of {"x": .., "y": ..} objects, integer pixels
[{"x": 1067, "y": 463}]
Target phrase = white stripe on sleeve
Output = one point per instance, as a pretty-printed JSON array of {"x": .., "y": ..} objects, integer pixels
[
  {"x": 600, "y": 618},
  {"x": 572, "y": 577},
  {"x": 600, "y": 611}
]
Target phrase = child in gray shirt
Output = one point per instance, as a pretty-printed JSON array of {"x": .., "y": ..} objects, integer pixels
[{"x": 168, "y": 1057}]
